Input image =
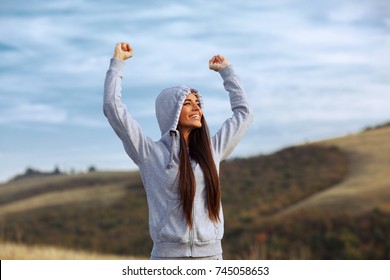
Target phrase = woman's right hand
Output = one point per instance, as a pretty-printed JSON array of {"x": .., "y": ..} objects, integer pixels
[
  {"x": 217, "y": 62},
  {"x": 123, "y": 51}
]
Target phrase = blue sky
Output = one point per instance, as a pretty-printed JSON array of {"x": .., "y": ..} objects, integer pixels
[{"x": 312, "y": 70}]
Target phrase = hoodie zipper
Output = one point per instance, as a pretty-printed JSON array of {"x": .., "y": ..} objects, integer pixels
[
  {"x": 192, "y": 234},
  {"x": 192, "y": 230}
]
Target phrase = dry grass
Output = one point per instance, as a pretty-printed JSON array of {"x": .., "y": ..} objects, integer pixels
[
  {"x": 106, "y": 193},
  {"x": 15, "y": 187},
  {"x": 13, "y": 251},
  {"x": 367, "y": 185}
]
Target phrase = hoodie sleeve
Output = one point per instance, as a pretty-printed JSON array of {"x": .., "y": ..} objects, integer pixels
[
  {"x": 136, "y": 145},
  {"x": 234, "y": 128}
]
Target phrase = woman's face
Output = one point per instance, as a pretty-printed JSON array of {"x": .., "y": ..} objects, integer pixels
[{"x": 191, "y": 113}]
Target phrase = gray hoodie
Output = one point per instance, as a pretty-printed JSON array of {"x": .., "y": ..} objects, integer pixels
[{"x": 158, "y": 164}]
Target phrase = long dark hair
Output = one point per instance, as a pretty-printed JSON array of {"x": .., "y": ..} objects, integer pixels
[{"x": 198, "y": 149}]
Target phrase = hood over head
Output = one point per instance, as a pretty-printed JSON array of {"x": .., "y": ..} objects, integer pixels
[{"x": 169, "y": 104}]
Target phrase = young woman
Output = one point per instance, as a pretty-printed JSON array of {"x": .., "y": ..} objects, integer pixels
[{"x": 180, "y": 172}]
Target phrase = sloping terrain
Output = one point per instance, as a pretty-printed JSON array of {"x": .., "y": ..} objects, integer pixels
[
  {"x": 30, "y": 194},
  {"x": 367, "y": 184},
  {"x": 341, "y": 185}
]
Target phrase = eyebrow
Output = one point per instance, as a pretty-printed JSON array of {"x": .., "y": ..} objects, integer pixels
[{"x": 197, "y": 100}]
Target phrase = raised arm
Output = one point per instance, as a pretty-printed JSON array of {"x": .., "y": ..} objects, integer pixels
[
  {"x": 234, "y": 128},
  {"x": 137, "y": 145}
]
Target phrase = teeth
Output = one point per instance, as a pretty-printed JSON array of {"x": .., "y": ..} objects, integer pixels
[{"x": 195, "y": 117}]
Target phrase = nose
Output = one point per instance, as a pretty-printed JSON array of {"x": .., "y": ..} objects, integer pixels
[{"x": 196, "y": 107}]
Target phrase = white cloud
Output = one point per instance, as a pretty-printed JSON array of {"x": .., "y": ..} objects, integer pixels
[
  {"x": 349, "y": 13},
  {"x": 33, "y": 113}
]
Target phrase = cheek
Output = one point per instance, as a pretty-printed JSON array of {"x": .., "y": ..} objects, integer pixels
[{"x": 182, "y": 115}]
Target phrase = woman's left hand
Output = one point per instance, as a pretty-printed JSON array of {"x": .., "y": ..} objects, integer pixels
[{"x": 123, "y": 51}]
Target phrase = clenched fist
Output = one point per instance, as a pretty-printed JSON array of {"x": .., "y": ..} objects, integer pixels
[
  {"x": 218, "y": 62},
  {"x": 123, "y": 51}
]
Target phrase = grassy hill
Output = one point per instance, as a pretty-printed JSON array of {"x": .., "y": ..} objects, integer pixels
[
  {"x": 351, "y": 219},
  {"x": 329, "y": 199},
  {"x": 367, "y": 184}
]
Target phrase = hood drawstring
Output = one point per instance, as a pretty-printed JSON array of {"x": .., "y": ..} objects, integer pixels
[{"x": 173, "y": 133}]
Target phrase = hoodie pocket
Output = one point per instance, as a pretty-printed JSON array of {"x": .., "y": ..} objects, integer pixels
[
  {"x": 206, "y": 229},
  {"x": 173, "y": 227}
]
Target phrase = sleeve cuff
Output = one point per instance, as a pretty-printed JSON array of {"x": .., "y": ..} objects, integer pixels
[
  {"x": 226, "y": 71},
  {"x": 117, "y": 65}
]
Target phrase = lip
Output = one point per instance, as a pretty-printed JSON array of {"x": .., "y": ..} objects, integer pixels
[{"x": 195, "y": 116}]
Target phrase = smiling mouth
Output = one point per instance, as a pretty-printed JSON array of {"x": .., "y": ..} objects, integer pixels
[{"x": 195, "y": 117}]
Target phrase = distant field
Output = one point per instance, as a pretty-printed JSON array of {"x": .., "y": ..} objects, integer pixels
[
  {"x": 30, "y": 194},
  {"x": 13, "y": 251}
]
